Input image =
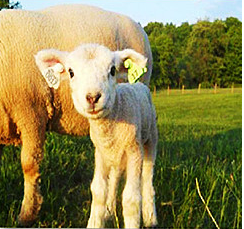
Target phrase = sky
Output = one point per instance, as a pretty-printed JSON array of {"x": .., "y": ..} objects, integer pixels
[{"x": 166, "y": 11}]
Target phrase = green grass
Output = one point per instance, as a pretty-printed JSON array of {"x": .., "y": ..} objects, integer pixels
[{"x": 200, "y": 136}]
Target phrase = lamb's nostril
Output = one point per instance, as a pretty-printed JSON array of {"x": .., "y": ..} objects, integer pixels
[
  {"x": 89, "y": 98},
  {"x": 97, "y": 97},
  {"x": 93, "y": 99}
]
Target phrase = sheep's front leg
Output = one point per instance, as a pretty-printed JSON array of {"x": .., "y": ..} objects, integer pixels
[
  {"x": 132, "y": 191},
  {"x": 99, "y": 193},
  {"x": 31, "y": 156}
]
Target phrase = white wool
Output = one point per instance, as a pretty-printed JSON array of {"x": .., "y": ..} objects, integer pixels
[{"x": 122, "y": 127}]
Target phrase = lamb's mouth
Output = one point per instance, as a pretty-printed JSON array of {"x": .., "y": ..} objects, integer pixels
[
  {"x": 94, "y": 112},
  {"x": 103, "y": 110}
]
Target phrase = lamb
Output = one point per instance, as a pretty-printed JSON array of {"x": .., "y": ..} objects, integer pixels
[
  {"x": 28, "y": 107},
  {"x": 122, "y": 127}
]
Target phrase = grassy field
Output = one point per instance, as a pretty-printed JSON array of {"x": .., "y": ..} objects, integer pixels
[{"x": 200, "y": 137}]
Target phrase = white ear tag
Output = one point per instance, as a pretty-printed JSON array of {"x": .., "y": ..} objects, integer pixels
[{"x": 52, "y": 75}]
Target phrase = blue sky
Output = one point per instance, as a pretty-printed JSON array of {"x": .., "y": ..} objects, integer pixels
[{"x": 144, "y": 11}]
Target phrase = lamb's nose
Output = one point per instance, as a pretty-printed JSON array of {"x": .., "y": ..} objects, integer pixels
[{"x": 93, "y": 99}]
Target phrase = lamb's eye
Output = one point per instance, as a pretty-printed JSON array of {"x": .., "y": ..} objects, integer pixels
[
  {"x": 113, "y": 70},
  {"x": 71, "y": 73}
]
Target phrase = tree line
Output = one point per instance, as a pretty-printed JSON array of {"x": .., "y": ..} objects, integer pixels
[{"x": 206, "y": 52}]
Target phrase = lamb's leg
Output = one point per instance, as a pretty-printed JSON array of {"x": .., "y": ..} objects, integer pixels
[
  {"x": 112, "y": 188},
  {"x": 99, "y": 194},
  {"x": 148, "y": 199},
  {"x": 132, "y": 192},
  {"x": 33, "y": 136}
]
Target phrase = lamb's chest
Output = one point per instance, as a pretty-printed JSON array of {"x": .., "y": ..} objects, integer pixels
[{"x": 113, "y": 156}]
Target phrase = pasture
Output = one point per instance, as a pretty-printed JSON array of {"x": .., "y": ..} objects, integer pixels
[{"x": 200, "y": 137}]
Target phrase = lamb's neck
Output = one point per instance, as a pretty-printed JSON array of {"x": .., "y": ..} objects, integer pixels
[
  {"x": 102, "y": 132},
  {"x": 104, "y": 125},
  {"x": 103, "y": 129}
]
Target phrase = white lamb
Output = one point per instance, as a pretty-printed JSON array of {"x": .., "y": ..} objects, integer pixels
[{"x": 122, "y": 128}]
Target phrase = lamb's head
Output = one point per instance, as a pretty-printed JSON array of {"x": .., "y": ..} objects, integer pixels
[{"x": 93, "y": 71}]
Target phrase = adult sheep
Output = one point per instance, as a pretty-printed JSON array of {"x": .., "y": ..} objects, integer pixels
[{"x": 28, "y": 107}]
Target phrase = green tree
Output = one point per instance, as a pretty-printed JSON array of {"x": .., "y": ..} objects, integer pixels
[
  {"x": 233, "y": 55},
  {"x": 6, "y": 4},
  {"x": 154, "y": 28},
  {"x": 205, "y": 52},
  {"x": 156, "y": 79},
  {"x": 161, "y": 38},
  {"x": 165, "y": 47},
  {"x": 182, "y": 35},
  {"x": 232, "y": 22}
]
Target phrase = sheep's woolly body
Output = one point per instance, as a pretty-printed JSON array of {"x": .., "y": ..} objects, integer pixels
[
  {"x": 61, "y": 27},
  {"x": 27, "y": 105}
]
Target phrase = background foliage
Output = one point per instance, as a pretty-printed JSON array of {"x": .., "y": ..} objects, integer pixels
[
  {"x": 205, "y": 52},
  {"x": 6, "y": 4}
]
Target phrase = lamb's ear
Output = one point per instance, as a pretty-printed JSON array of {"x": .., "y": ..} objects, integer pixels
[
  {"x": 136, "y": 57},
  {"x": 51, "y": 63},
  {"x": 120, "y": 58}
]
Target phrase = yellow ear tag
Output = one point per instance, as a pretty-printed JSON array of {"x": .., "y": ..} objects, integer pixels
[{"x": 135, "y": 72}]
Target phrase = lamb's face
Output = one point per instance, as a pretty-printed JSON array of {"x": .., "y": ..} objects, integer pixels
[{"x": 92, "y": 72}]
